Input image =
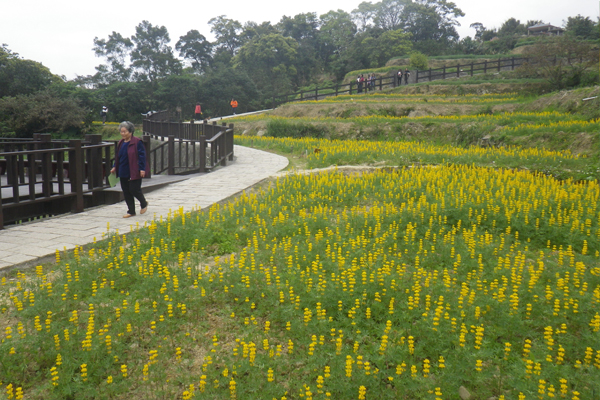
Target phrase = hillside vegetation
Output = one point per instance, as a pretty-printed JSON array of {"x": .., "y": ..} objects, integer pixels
[{"x": 467, "y": 115}]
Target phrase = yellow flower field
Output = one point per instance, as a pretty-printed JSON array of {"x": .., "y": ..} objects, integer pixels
[{"x": 394, "y": 284}]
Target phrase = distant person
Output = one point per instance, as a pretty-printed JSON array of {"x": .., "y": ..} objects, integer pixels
[
  {"x": 400, "y": 77},
  {"x": 198, "y": 112},
  {"x": 234, "y": 105},
  {"x": 360, "y": 81},
  {"x": 130, "y": 167},
  {"x": 103, "y": 114},
  {"x": 406, "y": 75}
]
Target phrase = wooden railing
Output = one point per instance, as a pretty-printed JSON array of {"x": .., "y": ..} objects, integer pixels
[
  {"x": 350, "y": 88},
  {"x": 189, "y": 147},
  {"x": 44, "y": 177},
  {"x": 458, "y": 70},
  {"x": 416, "y": 76}
]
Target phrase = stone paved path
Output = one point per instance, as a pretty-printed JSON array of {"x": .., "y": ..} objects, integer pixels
[{"x": 36, "y": 242}]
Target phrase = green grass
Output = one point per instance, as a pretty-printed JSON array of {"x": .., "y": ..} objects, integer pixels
[{"x": 404, "y": 282}]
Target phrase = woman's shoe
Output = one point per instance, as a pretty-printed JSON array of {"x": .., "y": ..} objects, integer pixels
[
  {"x": 128, "y": 215},
  {"x": 143, "y": 210}
]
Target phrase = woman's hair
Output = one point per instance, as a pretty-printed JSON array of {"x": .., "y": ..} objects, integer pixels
[{"x": 127, "y": 125}]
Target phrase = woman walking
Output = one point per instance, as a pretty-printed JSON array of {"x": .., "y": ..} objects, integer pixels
[{"x": 130, "y": 167}]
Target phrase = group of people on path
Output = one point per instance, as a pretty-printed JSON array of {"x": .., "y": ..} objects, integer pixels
[
  {"x": 404, "y": 75},
  {"x": 366, "y": 84}
]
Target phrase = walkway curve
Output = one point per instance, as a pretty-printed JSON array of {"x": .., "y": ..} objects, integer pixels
[{"x": 36, "y": 242}]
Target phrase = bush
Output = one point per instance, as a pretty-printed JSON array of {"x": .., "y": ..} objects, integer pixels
[
  {"x": 282, "y": 128},
  {"x": 418, "y": 61},
  {"x": 42, "y": 112}
]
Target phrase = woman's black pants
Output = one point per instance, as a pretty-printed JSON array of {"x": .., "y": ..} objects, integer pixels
[{"x": 132, "y": 189}]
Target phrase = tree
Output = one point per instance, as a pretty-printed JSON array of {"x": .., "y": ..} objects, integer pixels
[
  {"x": 115, "y": 50},
  {"x": 152, "y": 58},
  {"x": 269, "y": 61},
  {"x": 253, "y": 30},
  {"x": 179, "y": 91},
  {"x": 388, "y": 15},
  {"x": 563, "y": 61},
  {"x": 195, "y": 48},
  {"x": 335, "y": 35},
  {"x": 418, "y": 61},
  {"x": 432, "y": 24},
  {"x": 479, "y": 30},
  {"x": 468, "y": 46},
  {"x": 304, "y": 28},
  {"x": 18, "y": 76},
  {"x": 41, "y": 112},
  {"x": 363, "y": 15},
  {"x": 219, "y": 86},
  {"x": 375, "y": 51},
  {"x": 226, "y": 33},
  {"x": 512, "y": 27},
  {"x": 127, "y": 100},
  {"x": 582, "y": 27}
]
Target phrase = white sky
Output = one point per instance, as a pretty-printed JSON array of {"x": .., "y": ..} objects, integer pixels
[{"x": 60, "y": 33}]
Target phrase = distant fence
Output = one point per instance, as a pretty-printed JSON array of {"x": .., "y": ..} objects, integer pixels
[
  {"x": 416, "y": 76},
  {"x": 458, "y": 70}
]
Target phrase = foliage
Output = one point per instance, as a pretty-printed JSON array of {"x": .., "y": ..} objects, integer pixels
[
  {"x": 42, "y": 112},
  {"x": 282, "y": 128},
  {"x": 582, "y": 27},
  {"x": 270, "y": 61},
  {"x": 418, "y": 61},
  {"x": 226, "y": 33},
  {"x": 22, "y": 77},
  {"x": 195, "y": 48},
  {"x": 562, "y": 61},
  {"x": 152, "y": 58},
  {"x": 400, "y": 283},
  {"x": 115, "y": 50}
]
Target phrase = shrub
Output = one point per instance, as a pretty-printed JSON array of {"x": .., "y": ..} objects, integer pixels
[
  {"x": 418, "y": 61},
  {"x": 42, "y": 112},
  {"x": 282, "y": 128}
]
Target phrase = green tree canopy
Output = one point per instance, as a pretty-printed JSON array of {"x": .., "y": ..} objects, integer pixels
[
  {"x": 116, "y": 50},
  {"x": 18, "y": 76},
  {"x": 226, "y": 32},
  {"x": 194, "y": 47},
  {"x": 582, "y": 27},
  {"x": 152, "y": 58},
  {"x": 41, "y": 112},
  {"x": 269, "y": 61}
]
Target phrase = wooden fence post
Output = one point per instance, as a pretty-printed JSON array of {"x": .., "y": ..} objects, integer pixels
[
  {"x": 76, "y": 171},
  {"x": 472, "y": 63},
  {"x": 148, "y": 148},
  {"x": 94, "y": 164},
  {"x": 202, "y": 153},
  {"x": 46, "y": 139},
  {"x": 230, "y": 142},
  {"x": 171, "y": 155},
  {"x": 458, "y": 70},
  {"x": 485, "y": 67}
]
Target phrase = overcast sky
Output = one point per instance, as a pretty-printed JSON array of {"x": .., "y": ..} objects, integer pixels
[{"x": 60, "y": 33}]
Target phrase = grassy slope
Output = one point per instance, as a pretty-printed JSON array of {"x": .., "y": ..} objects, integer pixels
[{"x": 345, "y": 117}]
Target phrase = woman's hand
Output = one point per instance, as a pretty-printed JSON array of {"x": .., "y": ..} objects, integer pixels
[
  {"x": 113, "y": 170},
  {"x": 142, "y": 173}
]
